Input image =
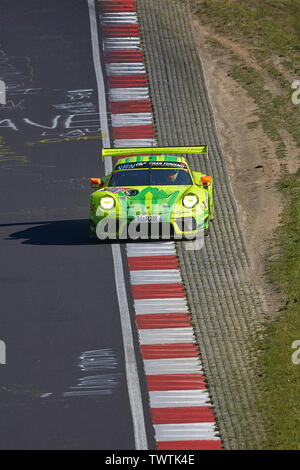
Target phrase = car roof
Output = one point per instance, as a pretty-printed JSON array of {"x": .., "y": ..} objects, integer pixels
[{"x": 151, "y": 158}]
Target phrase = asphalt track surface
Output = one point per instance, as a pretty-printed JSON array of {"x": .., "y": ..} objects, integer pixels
[{"x": 57, "y": 289}]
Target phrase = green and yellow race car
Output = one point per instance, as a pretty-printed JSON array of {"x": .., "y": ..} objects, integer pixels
[{"x": 151, "y": 193}]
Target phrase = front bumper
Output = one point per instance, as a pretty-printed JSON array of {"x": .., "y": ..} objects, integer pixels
[{"x": 177, "y": 227}]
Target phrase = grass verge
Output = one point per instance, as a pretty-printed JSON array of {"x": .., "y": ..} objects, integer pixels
[
  {"x": 281, "y": 377},
  {"x": 269, "y": 30}
]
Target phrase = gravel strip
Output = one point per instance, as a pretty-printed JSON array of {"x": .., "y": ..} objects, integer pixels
[{"x": 226, "y": 311}]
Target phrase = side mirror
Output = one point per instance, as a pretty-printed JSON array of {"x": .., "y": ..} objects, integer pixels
[
  {"x": 206, "y": 181},
  {"x": 95, "y": 183}
]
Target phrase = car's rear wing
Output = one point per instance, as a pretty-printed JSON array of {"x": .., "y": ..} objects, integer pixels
[{"x": 202, "y": 149}]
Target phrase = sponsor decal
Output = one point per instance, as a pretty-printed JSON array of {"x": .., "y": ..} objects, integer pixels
[
  {"x": 114, "y": 190},
  {"x": 162, "y": 164}
]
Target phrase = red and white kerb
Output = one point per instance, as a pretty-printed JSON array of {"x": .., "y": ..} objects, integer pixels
[{"x": 179, "y": 401}]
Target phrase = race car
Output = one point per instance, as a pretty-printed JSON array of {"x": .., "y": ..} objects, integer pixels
[{"x": 151, "y": 193}]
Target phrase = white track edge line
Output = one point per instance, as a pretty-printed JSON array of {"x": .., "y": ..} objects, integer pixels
[{"x": 134, "y": 390}]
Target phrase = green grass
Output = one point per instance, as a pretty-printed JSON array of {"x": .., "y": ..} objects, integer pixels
[
  {"x": 271, "y": 109},
  {"x": 272, "y": 26},
  {"x": 265, "y": 28},
  {"x": 269, "y": 29},
  {"x": 281, "y": 378}
]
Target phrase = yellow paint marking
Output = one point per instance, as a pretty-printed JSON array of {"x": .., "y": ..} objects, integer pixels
[
  {"x": 6, "y": 155},
  {"x": 64, "y": 139}
]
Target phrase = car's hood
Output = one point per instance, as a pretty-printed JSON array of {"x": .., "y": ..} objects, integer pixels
[
  {"x": 168, "y": 194},
  {"x": 151, "y": 199}
]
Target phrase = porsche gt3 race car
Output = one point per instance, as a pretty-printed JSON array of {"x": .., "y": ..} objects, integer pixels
[{"x": 151, "y": 193}]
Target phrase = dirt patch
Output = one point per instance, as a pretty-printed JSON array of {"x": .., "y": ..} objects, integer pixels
[{"x": 250, "y": 154}]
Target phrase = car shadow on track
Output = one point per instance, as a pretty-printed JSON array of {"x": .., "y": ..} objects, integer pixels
[
  {"x": 61, "y": 232},
  {"x": 56, "y": 232}
]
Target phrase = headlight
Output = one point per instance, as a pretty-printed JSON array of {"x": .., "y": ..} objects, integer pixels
[
  {"x": 190, "y": 200},
  {"x": 107, "y": 202}
]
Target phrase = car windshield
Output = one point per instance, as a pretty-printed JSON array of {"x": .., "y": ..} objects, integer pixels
[{"x": 151, "y": 177}]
